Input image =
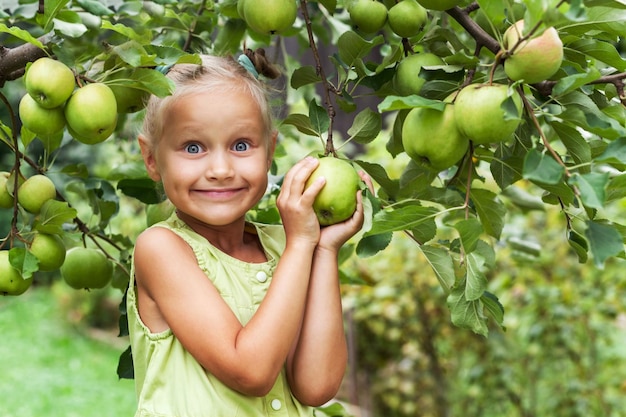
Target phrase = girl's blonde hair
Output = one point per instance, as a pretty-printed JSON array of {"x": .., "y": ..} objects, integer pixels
[{"x": 214, "y": 74}]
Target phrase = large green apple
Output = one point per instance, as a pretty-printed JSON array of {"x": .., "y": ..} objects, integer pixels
[
  {"x": 535, "y": 59},
  {"x": 368, "y": 16},
  {"x": 128, "y": 98},
  {"x": 336, "y": 201},
  {"x": 481, "y": 112},
  {"x": 49, "y": 82},
  {"x": 34, "y": 192},
  {"x": 86, "y": 268},
  {"x": 407, "y": 81},
  {"x": 11, "y": 281},
  {"x": 407, "y": 18},
  {"x": 439, "y": 4},
  {"x": 50, "y": 251},
  {"x": 269, "y": 17},
  {"x": 40, "y": 120},
  {"x": 6, "y": 198},
  {"x": 431, "y": 138},
  {"x": 91, "y": 113}
]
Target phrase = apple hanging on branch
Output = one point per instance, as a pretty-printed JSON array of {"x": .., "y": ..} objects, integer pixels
[
  {"x": 49, "y": 82},
  {"x": 91, "y": 113},
  {"x": 487, "y": 113},
  {"x": 531, "y": 58}
]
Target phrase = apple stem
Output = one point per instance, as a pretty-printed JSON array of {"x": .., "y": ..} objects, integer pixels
[{"x": 544, "y": 139}]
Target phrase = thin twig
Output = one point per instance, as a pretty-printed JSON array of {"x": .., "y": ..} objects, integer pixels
[{"x": 319, "y": 69}]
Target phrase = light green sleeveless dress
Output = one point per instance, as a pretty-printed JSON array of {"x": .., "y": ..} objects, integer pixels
[{"x": 169, "y": 381}]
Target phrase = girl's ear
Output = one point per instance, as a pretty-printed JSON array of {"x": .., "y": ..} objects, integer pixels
[{"x": 148, "y": 158}]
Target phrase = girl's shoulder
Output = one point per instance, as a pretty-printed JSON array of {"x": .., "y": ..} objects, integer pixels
[{"x": 157, "y": 239}]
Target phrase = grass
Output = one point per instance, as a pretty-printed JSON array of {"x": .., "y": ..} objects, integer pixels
[{"x": 50, "y": 367}]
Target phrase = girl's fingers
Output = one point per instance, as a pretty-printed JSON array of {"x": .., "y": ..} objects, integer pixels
[{"x": 296, "y": 178}]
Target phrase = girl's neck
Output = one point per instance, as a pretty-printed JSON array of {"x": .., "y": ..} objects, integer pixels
[{"x": 234, "y": 239}]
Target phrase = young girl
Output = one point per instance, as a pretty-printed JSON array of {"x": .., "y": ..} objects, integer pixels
[{"x": 229, "y": 318}]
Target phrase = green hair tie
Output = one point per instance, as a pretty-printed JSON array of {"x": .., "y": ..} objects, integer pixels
[{"x": 248, "y": 65}]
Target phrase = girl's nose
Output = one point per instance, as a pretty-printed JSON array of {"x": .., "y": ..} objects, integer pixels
[{"x": 219, "y": 166}]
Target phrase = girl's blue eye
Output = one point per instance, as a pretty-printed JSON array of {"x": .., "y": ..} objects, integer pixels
[
  {"x": 241, "y": 146},
  {"x": 193, "y": 148}
]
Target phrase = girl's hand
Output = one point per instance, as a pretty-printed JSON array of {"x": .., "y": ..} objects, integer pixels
[
  {"x": 334, "y": 236},
  {"x": 295, "y": 204}
]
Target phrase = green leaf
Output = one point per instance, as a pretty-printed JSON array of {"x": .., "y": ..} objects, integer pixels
[
  {"x": 53, "y": 215},
  {"x": 302, "y": 123},
  {"x": 95, "y": 7},
  {"x": 26, "y": 136},
  {"x": 319, "y": 118},
  {"x": 380, "y": 176},
  {"x": 303, "y": 76},
  {"x": 51, "y": 10},
  {"x": 575, "y": 81},
  {"x": 476, "y": 281},
  {"x": 602, "y": 51},
  {"x": 79, "y": 170},
  {"x": 490, "y": 210},
  {"x": 580, "y": 110},
  {"x": 330, "y": 5},
  {"x": 22, "y": 34},
  {"x": 523, "y": 199},
  {"x": 469, "y": 232},
  {"x": 579, "y": 244},
  {"x": 123, "y": 30},
  {"x": 366, "y": 126},
  {"x": 616, "y": 189},
  {"x": 506, "y": 167},
  {"x": 352, "y": 47},
  {"x": 125, "y": 368},
  {"x": 372, "y": 244},
  {"x": 404, "y": 218},
  {"x": 393, "y": 103},
  {"x": 24, "y": 261},
  {"x": 168, "y": 55},
  {"x": 615, "y": 152},
  {"x": 143, "y": 189},
  {"x": 333, "y": 410},
  {"x": 132, "y": 52},
  {"x": 442, "y": 264},
  {"x": 70, "y": 29},
  {"x": 592, "y": 188},
  {"x": 229, "y": 37},
  {"x": 577, "y": 147},
  {"x": 465, "y": 313},
  {"x": 604, "y": 241},
  {"x": 494, "y": 307},
  {"x": 542, "y": 168}
]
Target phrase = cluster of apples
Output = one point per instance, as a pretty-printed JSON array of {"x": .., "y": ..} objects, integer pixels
[
  {"x": 481, "y": 113},
  {"x": 80, "y": 267},
  {"x": 405, "y": 18},
  {"x": 52, "y": 103}
]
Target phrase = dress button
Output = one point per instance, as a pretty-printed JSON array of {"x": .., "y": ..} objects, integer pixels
[
  {"x": 276, "y": 404},
  {"x": 261, "y": 276}
]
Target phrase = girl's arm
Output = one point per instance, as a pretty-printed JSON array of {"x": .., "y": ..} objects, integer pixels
[
  {"x": 317, "y": 363},
  {"x": 174, "y": 293}
]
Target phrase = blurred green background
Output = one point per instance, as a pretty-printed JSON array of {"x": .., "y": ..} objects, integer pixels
[{"x": 55, "y": 361}]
